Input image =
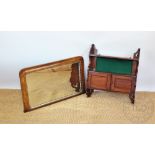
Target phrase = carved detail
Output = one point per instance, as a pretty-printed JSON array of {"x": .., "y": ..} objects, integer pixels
[
  {"x": 137, "y": 54},
  {"x": 92, "y": 58},
  {"x": 93, "y": 50},
  {"x": 135, "y": 65},
  {"x": 75, "y": 81}
]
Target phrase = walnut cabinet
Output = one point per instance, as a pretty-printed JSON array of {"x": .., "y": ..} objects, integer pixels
[{"x": 114, "y": 74}]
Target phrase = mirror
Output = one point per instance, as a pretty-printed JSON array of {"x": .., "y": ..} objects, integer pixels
[{"x": 53, "y": 82}]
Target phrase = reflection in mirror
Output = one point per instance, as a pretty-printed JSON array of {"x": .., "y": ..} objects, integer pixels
[
  {"x": 53, "y": 84},
  {"x": 49, "y": 83}
]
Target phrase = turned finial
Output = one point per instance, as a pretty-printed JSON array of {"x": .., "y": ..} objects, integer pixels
[{"x": 93, "y": 49}]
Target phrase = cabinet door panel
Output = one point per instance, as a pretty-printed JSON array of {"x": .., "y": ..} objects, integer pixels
[
  {"x": 121, "y": 83},
  {"x": 99, "y": 80}
]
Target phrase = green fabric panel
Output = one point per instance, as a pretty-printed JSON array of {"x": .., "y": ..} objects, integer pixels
[{"x": 113, "y": 65}]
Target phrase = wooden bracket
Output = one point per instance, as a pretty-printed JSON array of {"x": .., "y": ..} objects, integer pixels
[
  {"x": 92, "y": 58},
  {"x": 137, "y": 54}
]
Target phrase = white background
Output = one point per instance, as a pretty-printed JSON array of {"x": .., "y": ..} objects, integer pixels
[
  {"x": 24, "y": 49},
  {"x": 93, "y": 15}
]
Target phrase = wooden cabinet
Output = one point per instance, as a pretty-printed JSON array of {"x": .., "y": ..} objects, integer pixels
[{"x": 112, "y": 73}]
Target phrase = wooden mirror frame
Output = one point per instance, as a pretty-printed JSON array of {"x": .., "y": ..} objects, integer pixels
[{"x": 25, "y": 71}]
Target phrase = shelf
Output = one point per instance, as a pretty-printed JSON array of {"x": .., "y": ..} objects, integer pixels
[{"x": 104, "y": 56}]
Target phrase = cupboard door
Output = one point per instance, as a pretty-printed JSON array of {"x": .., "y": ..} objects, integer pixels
[
  {"x": 99, "y": 80},
  {"x": 121, "y": 83}
]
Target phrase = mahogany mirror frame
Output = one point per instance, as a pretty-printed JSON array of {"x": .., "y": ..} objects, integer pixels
[{"x": 25, "y": 71}]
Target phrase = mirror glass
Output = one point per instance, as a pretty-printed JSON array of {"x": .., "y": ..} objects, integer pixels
[{"x": 54, "y": 83}]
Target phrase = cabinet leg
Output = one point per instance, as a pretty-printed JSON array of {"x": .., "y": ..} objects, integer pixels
[
  {"x": 132, "y": 98},
  {"x": 89, "y": 92}
]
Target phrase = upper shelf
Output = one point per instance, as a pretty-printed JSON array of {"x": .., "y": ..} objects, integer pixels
[{"x": 112, "y": 57}]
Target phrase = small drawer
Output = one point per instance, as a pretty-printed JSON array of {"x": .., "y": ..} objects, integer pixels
[
  {"x": 121, "y": 83},
  {"x": 98, "y": 80}
]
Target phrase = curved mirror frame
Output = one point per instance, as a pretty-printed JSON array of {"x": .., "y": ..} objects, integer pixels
[{"x": 26, "y": 71}]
